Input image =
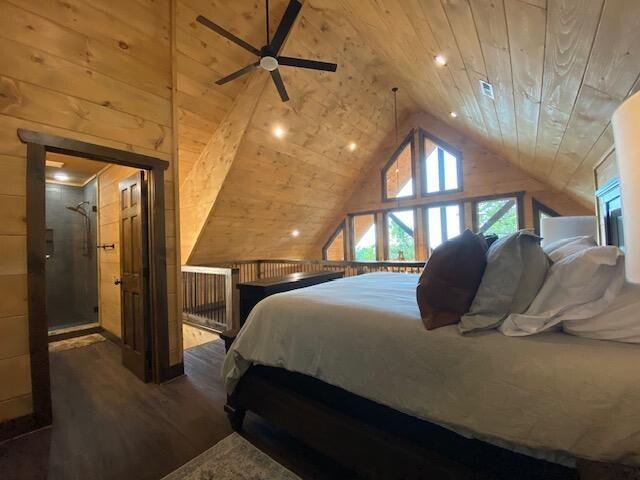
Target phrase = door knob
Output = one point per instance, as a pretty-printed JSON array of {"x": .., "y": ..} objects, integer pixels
[{"x": 117, "y": 281}]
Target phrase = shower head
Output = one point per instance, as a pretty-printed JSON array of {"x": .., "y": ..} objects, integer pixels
[{"x": 78, "y": 208}]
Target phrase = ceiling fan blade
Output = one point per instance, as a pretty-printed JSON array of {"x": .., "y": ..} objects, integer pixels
[
  {"x": 304, "y": 63},
  {"x": 228, "y": 35},
  {"x": 290, "y": 15},
  {"x": 239, "y": 73},
  {"x": 277, "y": 79}
]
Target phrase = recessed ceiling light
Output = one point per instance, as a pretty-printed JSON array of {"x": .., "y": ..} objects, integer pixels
[
  {"x": 352, "y": 146},
  {"x": 278, "y": 132},
  {"x": 453, "y": 114},
  {"x": 63, "y": 177},
  {"x": 295, "y": 233},
  {"x": 440, "y": 60}
]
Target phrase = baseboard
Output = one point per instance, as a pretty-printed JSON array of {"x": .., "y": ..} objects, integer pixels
[
  {"x": 173, "y": 372},
  {"x": 74, "y": 332},
  {"x": 17, "y": 427},
  {"x": 111, "y": 337}
]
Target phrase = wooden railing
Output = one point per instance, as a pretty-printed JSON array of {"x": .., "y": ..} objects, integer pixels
[{"x": 210, "y": 297}]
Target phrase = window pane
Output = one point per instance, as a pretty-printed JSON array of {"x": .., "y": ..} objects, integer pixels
[
  {"x": 398, "y": 176},
  {"x": 364, "y": 237},
  {"x": 400, "y": 235},
  {"x": 434, "y": 224},
  {"x": 450, "y": 171},
  {"x": 436, "y": 232},
  {"x": 433, "y": 172},
  {"x": 453, "y": 221},
  {"x": 499, "y": 216},
  {"x": 335, "y": 250},
  {"x": 441, "y": 168}
]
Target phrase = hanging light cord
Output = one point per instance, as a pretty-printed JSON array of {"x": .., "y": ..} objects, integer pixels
[
  {"x": 267, "y": 6},
  {"x": 395, "y": 109}
]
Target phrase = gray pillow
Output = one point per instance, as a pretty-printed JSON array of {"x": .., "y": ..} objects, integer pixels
[{"x": 516, "y": 269}]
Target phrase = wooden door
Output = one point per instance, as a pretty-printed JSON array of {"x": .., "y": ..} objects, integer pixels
[{"x": 134, "y": 277}]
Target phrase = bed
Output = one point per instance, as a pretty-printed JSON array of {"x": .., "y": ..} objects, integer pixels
[{"x": 353, "y": 356}]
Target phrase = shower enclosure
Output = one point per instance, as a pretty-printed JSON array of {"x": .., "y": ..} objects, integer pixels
[{"x": 72, "y": 275}]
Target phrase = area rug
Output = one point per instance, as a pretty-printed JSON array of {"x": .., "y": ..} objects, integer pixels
[
  {"x": 232, "y": 458},
  {"x": 76, "y": 342}
]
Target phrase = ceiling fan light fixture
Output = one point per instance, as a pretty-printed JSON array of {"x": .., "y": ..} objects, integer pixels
[
  {"x": 269, "y": 63},
  {"x": 269, "y": 55}
]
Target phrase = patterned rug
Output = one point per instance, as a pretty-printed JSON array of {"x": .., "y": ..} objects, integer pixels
[
  {"x": 76, "y": 342},
  {"x": 232, "y": 458}
]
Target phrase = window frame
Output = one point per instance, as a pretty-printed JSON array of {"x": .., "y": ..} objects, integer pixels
[
  {"x": 408, "y": 140},
  {"x": 342, "y": 227},
  {"x": 422, "y": 135},
  {"x": 352, "y": 243},
  {"x": 519, "y": 196},
  {"x": 538, "y": 208},
  {"x": 386, "y": 232},
  {"x": 606, "y": 194},
  {"x": 441, "y": 205}
]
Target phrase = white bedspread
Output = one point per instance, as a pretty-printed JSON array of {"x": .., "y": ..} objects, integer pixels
[{"x": 551, "y": 393}]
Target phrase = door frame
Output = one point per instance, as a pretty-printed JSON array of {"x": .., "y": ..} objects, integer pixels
[{"x": 38, "y": 144}]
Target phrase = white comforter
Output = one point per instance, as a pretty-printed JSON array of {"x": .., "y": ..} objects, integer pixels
[{"x": 553, "y": 394}]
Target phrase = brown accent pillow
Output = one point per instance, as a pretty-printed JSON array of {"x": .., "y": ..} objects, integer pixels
[{"x": 450, "y": 279}]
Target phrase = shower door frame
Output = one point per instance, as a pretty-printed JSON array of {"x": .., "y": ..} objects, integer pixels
[{"x": 38, "y": 144}]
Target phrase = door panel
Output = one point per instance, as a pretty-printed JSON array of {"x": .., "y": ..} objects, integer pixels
[{"x": 134, "y": 289}]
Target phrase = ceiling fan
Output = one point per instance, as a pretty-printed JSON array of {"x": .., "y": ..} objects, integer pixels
[{"x": 269, "y": 58}]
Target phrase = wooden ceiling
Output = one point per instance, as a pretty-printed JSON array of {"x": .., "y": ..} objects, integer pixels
[
  {"x": 78, "y": 170},
  {"x": 558, "y": 69}
]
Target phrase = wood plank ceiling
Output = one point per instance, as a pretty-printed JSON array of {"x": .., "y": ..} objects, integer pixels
[{"x": 559, "y": 69}]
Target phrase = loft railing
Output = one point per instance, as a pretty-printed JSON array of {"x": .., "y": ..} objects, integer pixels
[
  {"x": 251, "y": 270},
  {"x": 210, "y": 297}
]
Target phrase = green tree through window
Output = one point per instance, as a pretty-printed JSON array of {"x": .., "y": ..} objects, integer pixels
[
  {"x": 499, "y": 216},
  {"x": 400, "y": 241}
]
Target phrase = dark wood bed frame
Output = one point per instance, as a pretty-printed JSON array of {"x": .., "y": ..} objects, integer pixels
[{"x": 377, "y": 442}]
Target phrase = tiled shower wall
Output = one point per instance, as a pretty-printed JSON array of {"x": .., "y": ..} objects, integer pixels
[{"x": 72, "y": 292}]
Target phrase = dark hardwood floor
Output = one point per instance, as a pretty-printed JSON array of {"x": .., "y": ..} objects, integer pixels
[{"x": 109, "y": 425}]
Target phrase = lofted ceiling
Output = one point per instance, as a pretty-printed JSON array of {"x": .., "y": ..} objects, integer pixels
[{"x": 558, "y": 69}]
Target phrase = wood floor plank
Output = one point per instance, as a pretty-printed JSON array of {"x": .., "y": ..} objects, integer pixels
[{"x": 109, "y": 425}]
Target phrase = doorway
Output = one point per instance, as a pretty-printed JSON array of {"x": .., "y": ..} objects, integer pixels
[{"x": 144, "y": 320}]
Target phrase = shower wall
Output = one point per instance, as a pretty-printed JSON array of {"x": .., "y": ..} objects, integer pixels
[{"x": 71, "y": 268}]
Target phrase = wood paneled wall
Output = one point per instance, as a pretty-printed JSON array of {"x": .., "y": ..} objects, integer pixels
[
  {"x": 484, "y": 173},
  {"x": 91, "y": 70}
]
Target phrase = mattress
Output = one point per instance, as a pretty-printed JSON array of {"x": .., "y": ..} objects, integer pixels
[{"x": 552, "y": 395}]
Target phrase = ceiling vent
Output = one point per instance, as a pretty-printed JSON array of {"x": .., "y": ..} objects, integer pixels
[{"x": 487, "y": 89}]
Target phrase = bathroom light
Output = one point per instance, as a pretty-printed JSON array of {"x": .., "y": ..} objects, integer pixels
[
  {"x": 440, "y": 60},
  {"x": 453, "y": 114},
  {"x": 295, "y": 233},
  {"x": 352, "y": 146},
  {"x": 278, "y": 132},
  {"x": 63, "y": 177}
]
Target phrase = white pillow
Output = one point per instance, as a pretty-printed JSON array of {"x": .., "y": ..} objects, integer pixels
[
  {"x": 619, "y": 322},
  {"x": 578, "y": 286},
  {"x": 568, "y": 246}
]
